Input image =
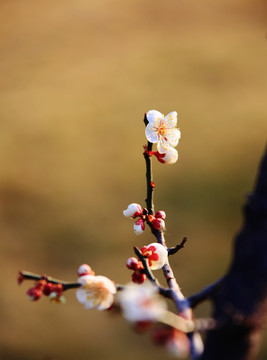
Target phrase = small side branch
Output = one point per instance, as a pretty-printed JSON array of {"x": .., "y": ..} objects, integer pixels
[
  {"x": 207, "y": 293},
  {"x": 174, "y": 250}
]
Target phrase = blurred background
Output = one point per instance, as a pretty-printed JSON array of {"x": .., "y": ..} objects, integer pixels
[{"x": 76, "y": 80}]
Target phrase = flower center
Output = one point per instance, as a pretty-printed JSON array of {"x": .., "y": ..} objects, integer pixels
[
  {"x": 97, "y": 291},
  {"x": 161, "y": 130}
]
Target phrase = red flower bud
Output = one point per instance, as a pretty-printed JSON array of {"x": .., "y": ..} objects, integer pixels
[
  {"x": 20, "y": 277},
  {"x": 160, "y": 214},
  {"x": 158, "y": 224},
  {"x": 138, "y": 277},
  {"x": 48, "y": 288},
  {"x": 34, "y": 294},
  {"x": 133, "y": 264}
]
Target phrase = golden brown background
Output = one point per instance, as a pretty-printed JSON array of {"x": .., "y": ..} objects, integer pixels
[{"x": 76, "y": 79}]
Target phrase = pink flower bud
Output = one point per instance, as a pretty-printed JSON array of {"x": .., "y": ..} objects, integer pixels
[
  {"x": 160, "y": 214},
  {"x": 85, "y": 269},
  {"x": 139, "y": 227},
  {"x": 34, "y": 294},
  {"x": 133, "y": 211},
  {"x": 158, "y": 224},
  {"x": 133, "y": 264},
  {"x": 138, "y": 277}
]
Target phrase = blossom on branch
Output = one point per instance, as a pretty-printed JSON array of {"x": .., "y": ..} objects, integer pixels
[
  {"x": 133, "y": 211},
  {"x": 169, "y": 157},
  {"x": 96, "y": 292},
  {"x": 162, "y": 130},
  {"x": 176, "y": 342},
  {"x": 156, "y": 255},
  {"x": 139, "y": 227},
  {"x": 141, "y": 303},
  {"x": 85, "y": 269}
]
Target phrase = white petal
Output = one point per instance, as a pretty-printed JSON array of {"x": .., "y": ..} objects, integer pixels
[
  {"x": 154, "y": 116},
  {"x": 106, "y": 303},
  {"x": 151, "y": 134},
  {"x": 171, "y": 119},
  {"x": 138, "y": 229},
  {"x": 162, "y": 145},
  {"x": 173, "y": 136},
  {"x": 86, "y": 279},
  {"x": 92, "y": 303},
  {"x": 81, "y": 296},
  {"x": 132, "y": 210},
  {"x": 107, "y": 283},
  {"x": 171, "y": 156}
]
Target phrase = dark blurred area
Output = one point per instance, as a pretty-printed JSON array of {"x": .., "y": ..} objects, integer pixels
[{"x": 76, "y": 79}]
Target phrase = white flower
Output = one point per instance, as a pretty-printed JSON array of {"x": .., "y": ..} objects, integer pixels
[
  {"x": 139, "y": 227},
  {"x": 96, "y": 292},
  {"x": 178, "y": 344},
  {"x": 142, "y": 303},
  {"x": 171, "y": 156},
  {"x": 162, "y": 130},
  {"x": 156, "y": 255},
  {"x": 133, "y": 210}
]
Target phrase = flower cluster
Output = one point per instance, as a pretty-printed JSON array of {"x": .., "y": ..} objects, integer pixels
[
  {"x": 44, "y": 287},
  {"x": 156, "y": 220},
  {"x": 156, "y": 255},
  {"x": 96, "y": 291},
  {"x": 162, "y": 131}
]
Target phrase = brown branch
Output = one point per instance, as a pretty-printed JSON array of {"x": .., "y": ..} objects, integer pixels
[{"x": 149, "y": 180}]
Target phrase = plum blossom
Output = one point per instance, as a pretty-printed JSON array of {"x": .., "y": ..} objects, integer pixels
[
  {"x": 133, "y": 210},
  {"x": 139, "y": 227},
  {"x": 176, "y": 342},
  {"x": 156, "y": 254},
  {"x": 141, "y": 303},
  {"x": 162, "y": 130},
  {"x": 96, "y": 292},
  {"x": 170, "y": 156}
]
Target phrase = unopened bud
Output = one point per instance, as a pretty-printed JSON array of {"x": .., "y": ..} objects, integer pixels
[
  {"x": 48, "y": 288},
  {"x": 138, "y": 277},
  {"x": 139, "y": 227},
  {"x": 34, "y": 294},
  {"x": 133, "y": 264},
  {"x": 85, "y": 269},
  {"x": 156, "y": 255},
  {"x": 160, "y": 214},
  {"x": 171, "y": 156},
  {"x": 133, "y": 211},
  {"x": 158, "y": 224}
]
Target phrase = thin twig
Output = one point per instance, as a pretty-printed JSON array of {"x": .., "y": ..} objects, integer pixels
[{"x": 174, "y": 250}]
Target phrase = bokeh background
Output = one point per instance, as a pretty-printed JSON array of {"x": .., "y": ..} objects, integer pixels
[{"x": 76, "y": 79}]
